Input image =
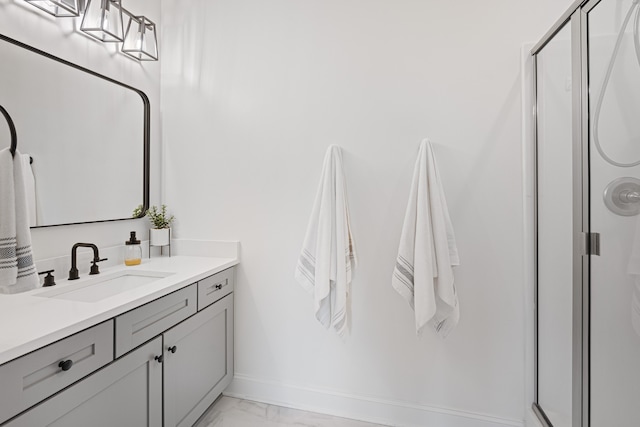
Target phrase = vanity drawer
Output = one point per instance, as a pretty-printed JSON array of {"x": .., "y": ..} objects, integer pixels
[
  {"x": 31, "y": 378},
  {"x": 215, "y": 287},
  {"x": 143, "y": 323}
]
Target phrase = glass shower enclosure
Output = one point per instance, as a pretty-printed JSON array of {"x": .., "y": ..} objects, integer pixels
[{"x": 586, "y": 74}]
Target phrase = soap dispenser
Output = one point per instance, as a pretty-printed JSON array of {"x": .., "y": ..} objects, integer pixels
[{"x": 133, "y": 250}]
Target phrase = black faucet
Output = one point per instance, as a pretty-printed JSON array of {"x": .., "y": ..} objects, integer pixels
[{"x": 73, "y": 273}]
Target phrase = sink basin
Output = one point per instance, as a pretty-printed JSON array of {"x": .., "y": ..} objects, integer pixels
[{"x": 104, "y": 286}]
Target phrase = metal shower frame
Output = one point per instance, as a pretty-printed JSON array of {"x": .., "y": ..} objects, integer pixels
[{"x": 584, "y": 240}]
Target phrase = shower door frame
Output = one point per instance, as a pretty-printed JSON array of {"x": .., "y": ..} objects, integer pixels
[{"x": 576, "y": 17}]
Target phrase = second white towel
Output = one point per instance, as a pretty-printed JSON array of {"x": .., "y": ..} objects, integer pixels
[
  {"x": 328, "y": 253},
  {"x": 423, "y": 274}
]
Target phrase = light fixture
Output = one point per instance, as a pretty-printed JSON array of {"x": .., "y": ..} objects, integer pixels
[
  {"x": 103, "y": 20},
  {"x": 140, "y": 40},
  {"x": 58, "y": 8}
]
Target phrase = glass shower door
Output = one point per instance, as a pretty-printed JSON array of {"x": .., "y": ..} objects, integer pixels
[
  {"x": 614, "y": 148},
  {"x": 554, "y": 229}
]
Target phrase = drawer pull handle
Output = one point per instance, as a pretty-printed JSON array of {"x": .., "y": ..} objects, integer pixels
[
  {"x": 173, "y": 349},
  {"x": 65, "y": 365},
  {"x": 219, "y": 286},
  {"x": 160, "y": 358}
]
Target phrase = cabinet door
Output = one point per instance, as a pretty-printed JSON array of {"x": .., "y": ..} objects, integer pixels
[
  {"x": 125, "y": 393},
  {"x": 201, "y": 364}
]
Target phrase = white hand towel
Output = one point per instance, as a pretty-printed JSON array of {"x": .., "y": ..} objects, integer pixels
[
  {"x": 30, "y": 188},
  {"x": 17, "y": 270},
  {"x": 423, "y": 274},
  {"x": 328, "y": 252}
]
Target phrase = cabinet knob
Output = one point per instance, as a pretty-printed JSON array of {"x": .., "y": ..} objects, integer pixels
[
  {"x": 219, "y": 286},
  {"x": 160, "y": 358},
  {"x": 65, "y": 365},
  {"x": 173, "y": 349}
]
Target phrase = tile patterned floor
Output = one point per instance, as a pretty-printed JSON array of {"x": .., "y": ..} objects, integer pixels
[{"x": 231, "y": 412}]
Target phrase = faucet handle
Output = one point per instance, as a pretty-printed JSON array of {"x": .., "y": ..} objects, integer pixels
[
  {"x": 49, "y": 280},
  {"x": 94, "y": 266}
]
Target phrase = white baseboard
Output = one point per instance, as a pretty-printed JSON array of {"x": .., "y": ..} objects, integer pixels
[{"x": 364, "y": 408}]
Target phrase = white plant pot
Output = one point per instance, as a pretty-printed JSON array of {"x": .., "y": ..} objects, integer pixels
[{"x": 159, "y": 237}]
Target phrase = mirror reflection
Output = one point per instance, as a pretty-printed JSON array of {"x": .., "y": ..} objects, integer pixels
[{"x": 87, "y": 136}]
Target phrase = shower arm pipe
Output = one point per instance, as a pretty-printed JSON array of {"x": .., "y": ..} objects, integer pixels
[
  {"x": 607, "y": 77},
  {"x": 12, "y": 130}
]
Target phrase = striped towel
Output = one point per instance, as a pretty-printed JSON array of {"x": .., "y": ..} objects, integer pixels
[
  {"x": 328, "y": 254},
  {"x": 423, "y": 274},
  {"x": 17, "y": 269}
]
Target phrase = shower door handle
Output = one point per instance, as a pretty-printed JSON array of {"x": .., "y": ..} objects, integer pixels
[{"x": 591, "y": 244}]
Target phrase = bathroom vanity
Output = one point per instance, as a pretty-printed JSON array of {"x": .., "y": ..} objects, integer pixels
[{"x": 93, "y": 353}]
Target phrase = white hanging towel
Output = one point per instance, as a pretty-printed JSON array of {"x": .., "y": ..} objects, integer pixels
[
  {"x": 634, "y": 270},
  {"x": 17, "y": 269},
  {"x": 328, "y": 252},
  {"x": 423, "y": 274}
]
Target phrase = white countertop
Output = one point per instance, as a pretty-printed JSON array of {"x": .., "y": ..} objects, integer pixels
[{"x": 29, "y": 321}]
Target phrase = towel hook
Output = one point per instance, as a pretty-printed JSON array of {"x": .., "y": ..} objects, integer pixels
[{"x": 12, "y": 129}]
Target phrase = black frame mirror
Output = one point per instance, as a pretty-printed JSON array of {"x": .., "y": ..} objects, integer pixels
[{"x": 143, "y": 129}]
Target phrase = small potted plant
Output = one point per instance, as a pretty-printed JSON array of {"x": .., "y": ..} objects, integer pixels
[{"x": 159, "y": 234}]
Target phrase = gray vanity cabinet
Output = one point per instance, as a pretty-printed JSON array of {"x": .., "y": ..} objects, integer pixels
[
  {"x": 125, "y": 393},
  {"x": 174, "y": 356},
  {"x": 198, "y": 363}
]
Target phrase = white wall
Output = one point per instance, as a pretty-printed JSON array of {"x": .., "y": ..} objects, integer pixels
[
  {"x": 61, "y": 37},
  {"x": 254, "y": 92}
]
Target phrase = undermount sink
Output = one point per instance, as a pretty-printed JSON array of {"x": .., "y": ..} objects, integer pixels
[{"x": 104, "y": 286}]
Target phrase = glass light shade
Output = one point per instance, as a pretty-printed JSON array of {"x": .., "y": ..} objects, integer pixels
[
  {"x": 103, "y": 20},
  {"x": 140, "y": 41},
  {"x": 58, "y": 8}
]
